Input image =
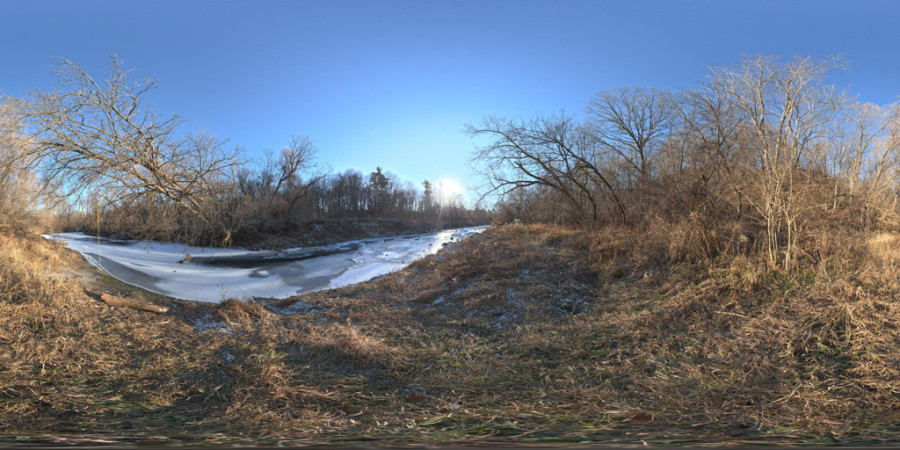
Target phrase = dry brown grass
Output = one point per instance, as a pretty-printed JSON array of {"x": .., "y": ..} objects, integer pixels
[{"x": 532, "y": 333}]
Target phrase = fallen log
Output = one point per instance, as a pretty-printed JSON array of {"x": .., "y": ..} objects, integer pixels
[{"x": 133, "y": 303}]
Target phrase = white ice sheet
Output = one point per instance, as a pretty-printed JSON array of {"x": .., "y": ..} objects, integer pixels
[{"x": 212, "y": 275}]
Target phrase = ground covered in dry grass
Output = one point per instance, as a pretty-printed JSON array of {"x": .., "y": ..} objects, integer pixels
[{"x": 523, "y": 333}]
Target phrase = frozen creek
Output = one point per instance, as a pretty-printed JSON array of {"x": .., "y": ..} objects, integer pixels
[{"x": 215, "y": 274}]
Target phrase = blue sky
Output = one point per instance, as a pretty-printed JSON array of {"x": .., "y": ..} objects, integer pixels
[{"x": 391, "y": 83}]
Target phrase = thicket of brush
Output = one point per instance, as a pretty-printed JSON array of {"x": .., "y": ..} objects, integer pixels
[{"x": 765, "y": 157}]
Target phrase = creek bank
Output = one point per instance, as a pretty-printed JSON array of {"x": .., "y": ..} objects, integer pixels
[{"x": 285, "y": 234}]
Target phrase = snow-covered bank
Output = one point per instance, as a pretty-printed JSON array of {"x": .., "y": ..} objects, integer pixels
[{"x": 214, "y": 274}]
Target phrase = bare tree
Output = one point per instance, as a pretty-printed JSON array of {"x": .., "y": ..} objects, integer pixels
[
  {"x": 18, "y": 185},
  {"x": 715, "y": 129},
  {"x": 883, "y": 168},
  {"x": 553, "y": 152},
  {"x": 632, "y": 123},
  {"x": 787, "y": 105},
  {"x": 715, "y": 124},
  {"x": 99, "y": 134},
  {"x": 861, "y": 154},
  {"x": 854, "y": 139},
  {"x": 294, "y": 159},
  {"x": 343, "y": 194}
]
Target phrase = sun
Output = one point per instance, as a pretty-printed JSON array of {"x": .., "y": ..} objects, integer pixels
[{"x": 449, "y": 190}]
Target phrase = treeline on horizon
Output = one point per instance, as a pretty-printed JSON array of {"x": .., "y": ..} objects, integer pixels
[
  {"x": 764, "y": 157},
  {"x": 95, "y": 155}
]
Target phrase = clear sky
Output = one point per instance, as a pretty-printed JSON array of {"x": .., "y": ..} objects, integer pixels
[{"x": 391, "y": 83}]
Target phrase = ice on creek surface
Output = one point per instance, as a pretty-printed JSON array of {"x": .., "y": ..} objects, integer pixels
[{"x": 215, "y": 274}]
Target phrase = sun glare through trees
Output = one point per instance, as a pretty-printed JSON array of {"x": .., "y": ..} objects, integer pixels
[{"x": 449, "y": 191}]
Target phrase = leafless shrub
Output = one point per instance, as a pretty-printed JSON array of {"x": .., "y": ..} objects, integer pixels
[
  {"x": 20, "y": 199},
  {"x": 630, "y": 125},
  {"x": 788, "y": 106},
  {"x": 552, "y": 152}
]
